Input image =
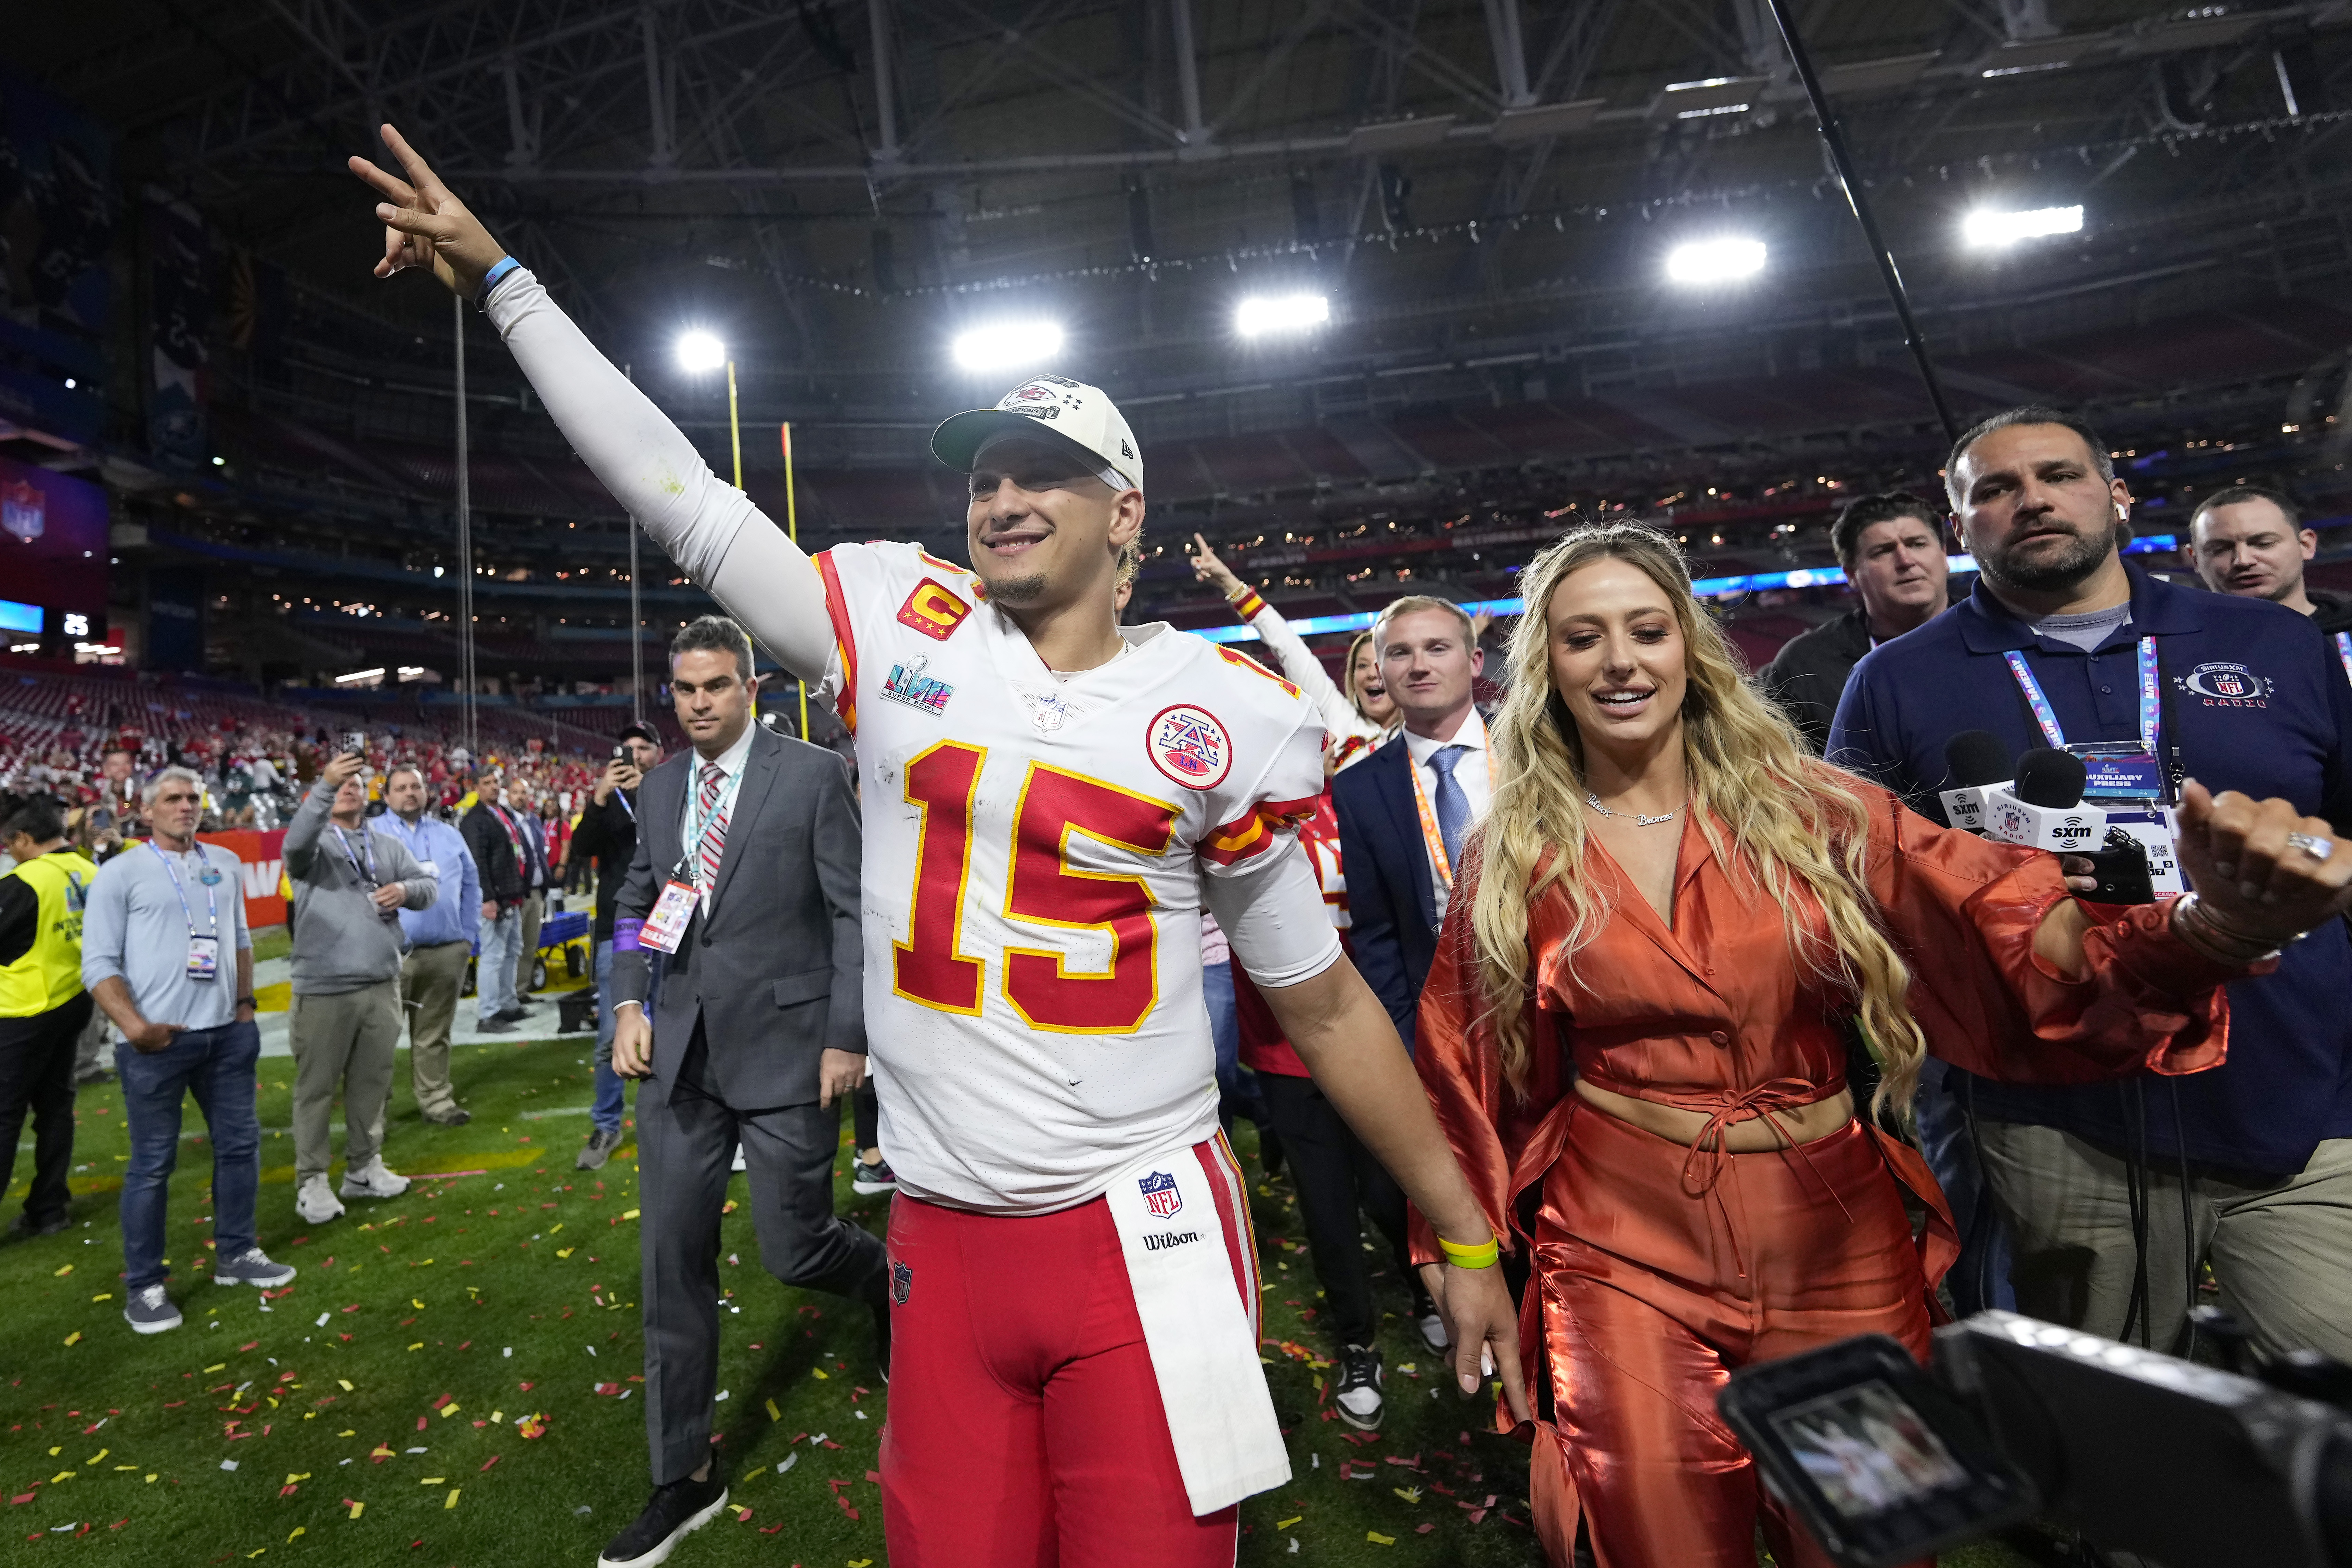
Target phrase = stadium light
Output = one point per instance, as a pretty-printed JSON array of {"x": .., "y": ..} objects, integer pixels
[
  {"x": 1987, "y": 227},
  {"x": 699, "y": 351},
  {"x": 1007, "y": 345},
  {"x": 1715, "y": 260},
  {"x": 1280, "y": 313}
]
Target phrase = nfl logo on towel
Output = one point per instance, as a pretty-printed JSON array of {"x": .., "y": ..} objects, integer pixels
[{"x": 1160, "y": 1194}]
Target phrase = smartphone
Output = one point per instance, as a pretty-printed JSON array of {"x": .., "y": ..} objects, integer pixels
[
  {"x": 355, "y": 743},
  {"x": 620, "y": 754}
]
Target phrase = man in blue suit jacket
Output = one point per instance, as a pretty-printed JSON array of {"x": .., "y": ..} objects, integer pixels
[{"x": 1405, "y": 810}]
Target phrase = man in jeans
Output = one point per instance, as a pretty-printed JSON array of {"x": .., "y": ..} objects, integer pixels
[
  {"x": 351, "y": 883},
  {"x": 608, "y": 833},
  {"x": 530, "y": 843},
  {"x": 490, "y": 833},
  {"x": 439, "y": 941},
  {"x": 166, "y": 951}
]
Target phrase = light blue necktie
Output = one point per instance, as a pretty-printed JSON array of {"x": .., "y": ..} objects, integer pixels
[{"x": 1453, "y": 806}]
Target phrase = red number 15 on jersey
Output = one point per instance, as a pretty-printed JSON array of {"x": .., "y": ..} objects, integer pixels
[{"x": 1041, "y": 889}]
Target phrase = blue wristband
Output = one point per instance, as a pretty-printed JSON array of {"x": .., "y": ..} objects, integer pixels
[{"x": 492, "y": 278}]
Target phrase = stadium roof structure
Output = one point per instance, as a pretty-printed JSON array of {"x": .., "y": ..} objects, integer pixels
[{"x": 1485, "y": 191}]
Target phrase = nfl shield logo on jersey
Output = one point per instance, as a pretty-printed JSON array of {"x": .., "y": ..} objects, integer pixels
[
  {"x": 1190, "y": 747},
  {"x": 1160, "y": 1194},
  {"x": 23, "y": 510},
  {"x": 902, "y": 1280}
]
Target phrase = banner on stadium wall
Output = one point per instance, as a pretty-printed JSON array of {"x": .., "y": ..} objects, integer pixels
[
  {"x": 262, "y": 857},
  {"x": 180, "y": 266}
]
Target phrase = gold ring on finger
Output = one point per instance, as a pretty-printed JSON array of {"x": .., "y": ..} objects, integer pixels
[{"x": 2312, "y": 844}]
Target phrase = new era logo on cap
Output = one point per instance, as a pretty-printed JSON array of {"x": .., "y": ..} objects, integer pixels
[{"x": 1081, "y": 415}]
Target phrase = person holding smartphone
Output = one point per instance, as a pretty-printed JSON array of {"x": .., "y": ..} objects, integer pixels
[
  {"x": 607, "y": 834},
  {"x": 351, "y": 883}
]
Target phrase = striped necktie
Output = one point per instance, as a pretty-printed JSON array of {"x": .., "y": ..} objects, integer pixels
[{"x": 714, "y": 832}]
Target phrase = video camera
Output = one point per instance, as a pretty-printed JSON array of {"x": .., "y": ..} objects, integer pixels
[{"x": 1886, "y": 1463}]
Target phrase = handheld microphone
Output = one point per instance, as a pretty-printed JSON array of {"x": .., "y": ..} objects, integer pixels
[
  {"x": 2044, "y": 809},
  {"x": 1974, "y": 761}
]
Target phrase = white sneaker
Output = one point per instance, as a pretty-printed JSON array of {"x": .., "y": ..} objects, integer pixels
[
  {"x": 373, "y": 1181},
  {"x": 316, "y": 1201}
]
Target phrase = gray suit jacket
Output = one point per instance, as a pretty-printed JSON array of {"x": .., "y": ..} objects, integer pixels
[{"x": 775, "y": 970}]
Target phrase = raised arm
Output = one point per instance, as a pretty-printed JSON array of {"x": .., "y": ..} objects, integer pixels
[
  {"x": 711, "y": 529},
  {"x": 1293, "y": 657}
]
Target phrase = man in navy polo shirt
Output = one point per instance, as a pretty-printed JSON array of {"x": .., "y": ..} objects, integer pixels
[{"x": 2049, "y": 650}]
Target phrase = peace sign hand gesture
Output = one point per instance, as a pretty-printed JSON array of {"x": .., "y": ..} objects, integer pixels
[{"x": 426, "y": 225}]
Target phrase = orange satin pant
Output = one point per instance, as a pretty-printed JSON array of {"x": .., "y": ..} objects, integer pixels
[{"x": 1660, "y": 1271}]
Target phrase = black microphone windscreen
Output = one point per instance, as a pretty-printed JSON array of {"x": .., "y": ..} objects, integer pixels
[
  {"x": 2051, "y": 777},
  {"x": 1974, "y": 759}
]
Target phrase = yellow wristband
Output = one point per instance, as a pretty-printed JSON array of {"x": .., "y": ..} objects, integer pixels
[{"x": 1483, "y": 1256}]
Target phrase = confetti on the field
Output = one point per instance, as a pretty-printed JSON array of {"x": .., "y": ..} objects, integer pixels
[
  {"x": 63, "y": 1272},
  {"x": 298, "y": 1529},
  {"x": 1286, "y": 1523},
  {"x": 452, "y": 1501},
  {"x": 73, "y": 1337},
  {"x": 357, "y": 1508},
  {"x": 1377, "y": 1539},
  {"x": 788, "y": 1462},
  {"x": 229, "y": 1464}
]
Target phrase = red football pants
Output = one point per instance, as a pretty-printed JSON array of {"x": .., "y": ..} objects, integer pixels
[{"x": 1025, "y": 1427}]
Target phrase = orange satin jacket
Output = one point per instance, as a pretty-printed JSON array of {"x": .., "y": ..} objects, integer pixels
[{"x": 1718, "y": 1015}]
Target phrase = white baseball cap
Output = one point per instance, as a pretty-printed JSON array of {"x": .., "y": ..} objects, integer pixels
[{"x": 1083, "y": 416}]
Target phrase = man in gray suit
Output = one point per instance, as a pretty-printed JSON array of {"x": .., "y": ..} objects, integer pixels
[{"x": 744, "y": 892}]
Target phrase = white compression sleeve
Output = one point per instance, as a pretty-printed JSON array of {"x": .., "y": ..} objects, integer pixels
[
  {"x": 1298, "y": 662},
  {"x": 1273, "y": 915},
  {"x": 711, "y": 529}
]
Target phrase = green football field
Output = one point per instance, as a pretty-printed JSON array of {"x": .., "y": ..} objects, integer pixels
[{"x": 453, "y": 1377}]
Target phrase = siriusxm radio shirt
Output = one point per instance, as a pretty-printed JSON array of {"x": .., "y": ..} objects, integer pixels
[{"x": 2250, "y": 697}]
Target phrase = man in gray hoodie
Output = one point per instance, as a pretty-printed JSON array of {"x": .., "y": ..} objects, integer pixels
[{"x": 351, "y": 883}]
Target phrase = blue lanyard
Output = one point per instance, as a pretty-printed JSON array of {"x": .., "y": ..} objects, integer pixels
[
  {"x": 2343, "y": 652},
  {"x": 2151, "y": 710},
  {"x": 368, "y": 877},
  {"x": 212, "y": 894}
]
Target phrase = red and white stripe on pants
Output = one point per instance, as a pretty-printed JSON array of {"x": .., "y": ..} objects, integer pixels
[{"x": 1025, "y": 1427}]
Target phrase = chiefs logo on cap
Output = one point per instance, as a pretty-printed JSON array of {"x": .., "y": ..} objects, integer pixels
[
  {"x": 933, "y": 610},
  {"x": 1033, "y": 392}
]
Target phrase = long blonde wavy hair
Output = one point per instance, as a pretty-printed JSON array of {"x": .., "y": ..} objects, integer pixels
[{"x": 1760, "y": 799}]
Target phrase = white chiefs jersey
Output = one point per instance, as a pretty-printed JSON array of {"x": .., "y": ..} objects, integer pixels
[{"x": 1035, "y": 852}]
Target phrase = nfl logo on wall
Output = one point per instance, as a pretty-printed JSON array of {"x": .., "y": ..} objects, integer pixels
[
  {"x": 1160, "y": 1194},
  {"x": 23, "y": 510},
  {"x": 1189, "y": 746}
]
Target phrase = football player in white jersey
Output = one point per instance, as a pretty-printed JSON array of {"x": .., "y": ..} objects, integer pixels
[{"x": 1051, "y": 800}]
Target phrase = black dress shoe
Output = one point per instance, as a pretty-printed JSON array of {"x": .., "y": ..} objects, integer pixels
[
  {"x": 514, "y": 1014},
  {"x": 676, "y": 1512},
  {"x": 26, "y": 1225}
]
